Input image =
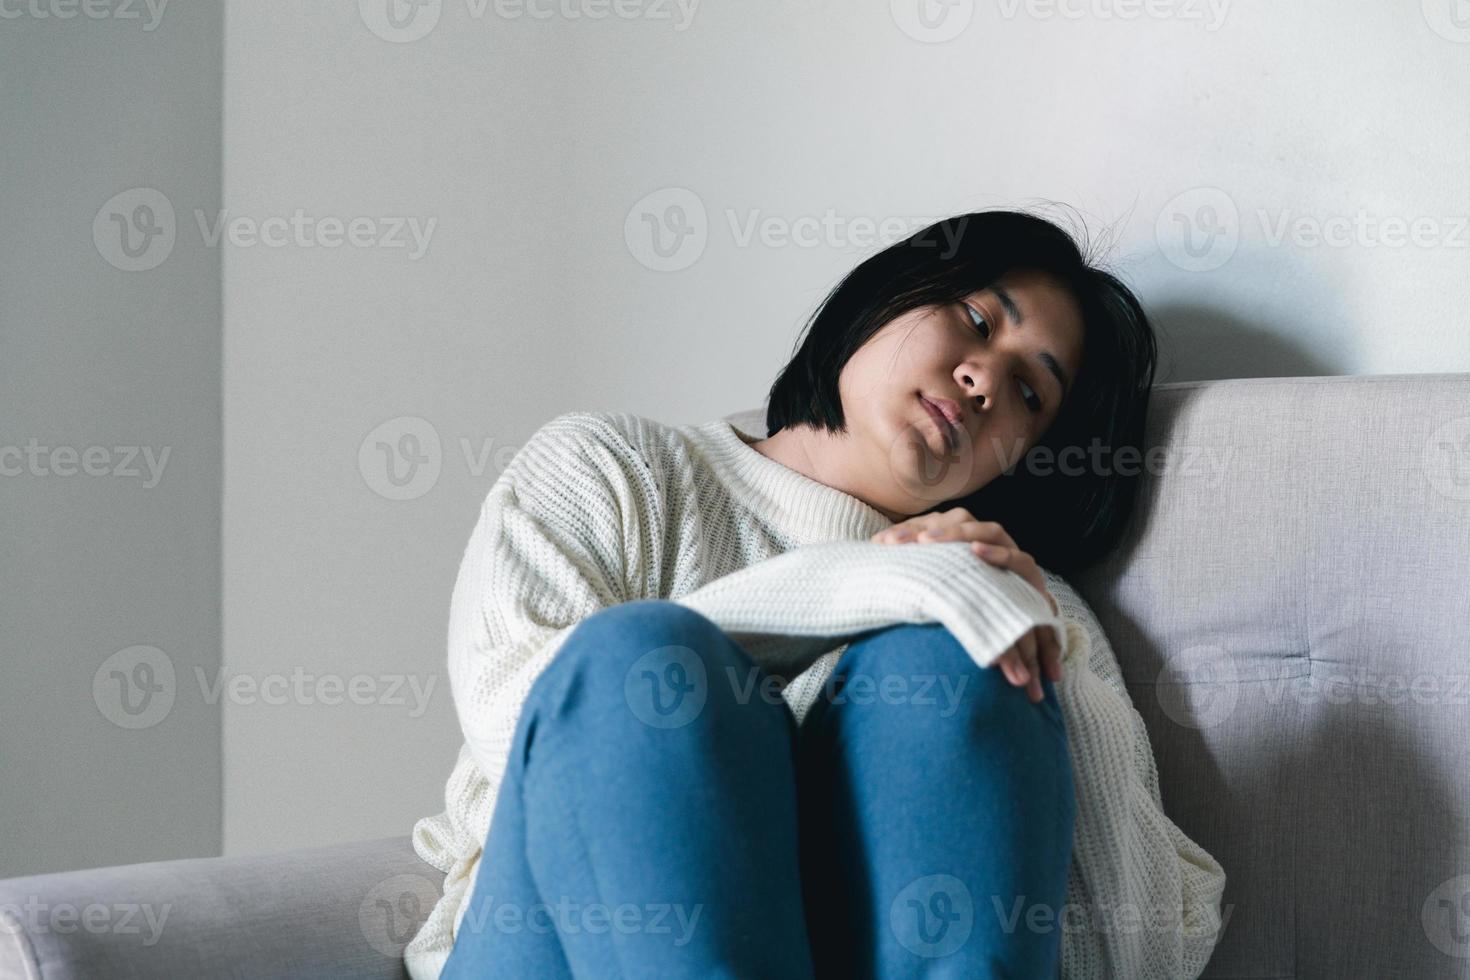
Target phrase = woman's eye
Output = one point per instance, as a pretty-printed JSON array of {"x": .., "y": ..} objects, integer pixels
[
  {"x": 1032, "y": 401},
  {"x": 977, "y": 319}
]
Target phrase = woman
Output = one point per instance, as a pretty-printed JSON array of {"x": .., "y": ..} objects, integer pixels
[{"x": 669, "y": 770}]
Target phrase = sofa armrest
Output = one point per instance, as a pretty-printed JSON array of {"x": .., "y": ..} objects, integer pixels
[{"x": 341, "y": 911}]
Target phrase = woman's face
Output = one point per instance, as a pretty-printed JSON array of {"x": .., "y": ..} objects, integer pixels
[{"x": 987, "y": 355}]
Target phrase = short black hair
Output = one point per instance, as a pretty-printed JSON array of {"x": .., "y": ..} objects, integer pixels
[{"x": 1067, "y": 521}]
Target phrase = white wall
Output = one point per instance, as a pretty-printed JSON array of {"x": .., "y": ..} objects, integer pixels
[
  {"x": 108, "y": 564},
  {"x": 534, "y": 144}
]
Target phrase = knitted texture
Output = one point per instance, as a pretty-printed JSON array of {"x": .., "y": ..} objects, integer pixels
[{"x": 603, "y": 508}]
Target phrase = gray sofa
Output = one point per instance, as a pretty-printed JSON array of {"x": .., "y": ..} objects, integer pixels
[{"x": 1286, "y": 613}]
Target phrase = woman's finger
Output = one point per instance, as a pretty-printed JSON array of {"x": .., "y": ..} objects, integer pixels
[
  {"x": 1033, "y": 670},
  {"x": 986, "y": 532},
  {"x": 946, "y": 532},
  {"x": 992, "y": 533},
  {"x": 1010, "y": 665},
  {"x": 907, "y": 530}
]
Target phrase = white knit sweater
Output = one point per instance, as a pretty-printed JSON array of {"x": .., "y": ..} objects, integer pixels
[{"x": 602, "y": 508}]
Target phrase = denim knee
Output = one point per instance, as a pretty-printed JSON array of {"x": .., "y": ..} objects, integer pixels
[
  {"x": 923, "y": 666},
  {"x": 650, "y": 660}
]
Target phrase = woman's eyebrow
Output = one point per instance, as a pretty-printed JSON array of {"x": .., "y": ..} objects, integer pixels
[{"x": 1017, "y": 318}]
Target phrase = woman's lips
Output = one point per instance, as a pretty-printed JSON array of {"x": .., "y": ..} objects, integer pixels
[{"x": 945, "y": 425}]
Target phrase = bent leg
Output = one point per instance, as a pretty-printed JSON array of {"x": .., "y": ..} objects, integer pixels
[
  {"x": 648, "y": 812},
  {"x": 937, "y": 811}
]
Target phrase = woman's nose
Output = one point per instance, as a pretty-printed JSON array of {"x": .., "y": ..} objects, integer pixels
[{"x": 974, "y": 389}]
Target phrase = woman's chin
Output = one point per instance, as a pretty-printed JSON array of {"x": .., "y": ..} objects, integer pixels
[{"x": 926, "y": 468}]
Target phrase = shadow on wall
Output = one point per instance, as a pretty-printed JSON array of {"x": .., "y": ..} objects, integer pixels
[
  {"x": 1256, "y": 312},
  {"x": 1200, "y": 343}
]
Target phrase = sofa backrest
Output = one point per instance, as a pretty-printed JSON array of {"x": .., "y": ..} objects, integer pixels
[{"x": 1287, "y": 610}]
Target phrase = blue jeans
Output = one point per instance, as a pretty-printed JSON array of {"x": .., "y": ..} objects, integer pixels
[{"x": 662, "y": 815}]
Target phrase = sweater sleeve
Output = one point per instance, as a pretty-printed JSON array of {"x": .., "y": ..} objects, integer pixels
[
  {"x": 550, "y": 547},
  {"x": 1151, "y": 896},
  {"x": 787, "y": 610},
  {"x": 548, "y": 550}
]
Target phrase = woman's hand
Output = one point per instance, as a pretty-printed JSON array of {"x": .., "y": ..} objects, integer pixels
[{"x": 988, "y": 540}]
